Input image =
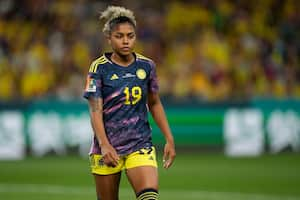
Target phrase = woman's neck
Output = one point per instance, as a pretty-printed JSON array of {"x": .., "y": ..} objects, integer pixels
[{"x": 122, "y": 60}]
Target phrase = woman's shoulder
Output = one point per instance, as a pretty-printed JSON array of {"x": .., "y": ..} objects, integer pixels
[
  {"x": 102, "y": 59},
  {"x": 142, "y": 58},
  {"x": 97, "y": 62}
]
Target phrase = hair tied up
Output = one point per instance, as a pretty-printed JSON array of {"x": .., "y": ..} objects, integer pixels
[{"x": 113, "y": 12}]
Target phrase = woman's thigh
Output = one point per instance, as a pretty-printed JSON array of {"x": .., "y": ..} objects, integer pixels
[
  {"x": 107, "y": 186},
  {"x": 143, "y": 177},
  {"x": 141, "y": 169}
]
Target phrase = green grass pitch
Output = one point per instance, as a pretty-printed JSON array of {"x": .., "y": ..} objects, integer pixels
[{"x": 194, "y": 176}]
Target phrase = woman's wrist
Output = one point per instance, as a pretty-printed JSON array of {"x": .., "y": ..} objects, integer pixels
[{"x": 170, "y": 140}]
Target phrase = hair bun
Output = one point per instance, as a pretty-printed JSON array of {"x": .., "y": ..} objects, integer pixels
[{"x": 113, "y": 12}]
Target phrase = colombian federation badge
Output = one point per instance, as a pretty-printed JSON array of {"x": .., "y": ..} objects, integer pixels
[{"x": 141, "y": 74}]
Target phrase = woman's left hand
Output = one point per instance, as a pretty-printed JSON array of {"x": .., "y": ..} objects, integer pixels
[{"x": 169, "y": 154}]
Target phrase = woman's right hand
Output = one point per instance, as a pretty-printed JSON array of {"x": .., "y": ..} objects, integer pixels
[{"x": 110, "y": 156}]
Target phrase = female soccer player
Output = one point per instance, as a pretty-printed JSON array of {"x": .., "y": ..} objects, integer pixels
[{"x": 121, "y": 88}]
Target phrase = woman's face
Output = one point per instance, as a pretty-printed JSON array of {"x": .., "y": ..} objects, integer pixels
[{"x": 122, "y": 39}]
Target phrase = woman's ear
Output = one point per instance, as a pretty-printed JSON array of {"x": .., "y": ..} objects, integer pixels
[{"x": 108, "y": 39}]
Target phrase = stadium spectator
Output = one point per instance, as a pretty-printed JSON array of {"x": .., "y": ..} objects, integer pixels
[{"x": 232, "y": 48}]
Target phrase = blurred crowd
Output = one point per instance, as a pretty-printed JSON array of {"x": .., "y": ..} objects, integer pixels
[{"x": 206, "y": 50}]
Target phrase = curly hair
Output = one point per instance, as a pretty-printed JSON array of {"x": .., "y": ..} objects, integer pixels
[{"x": 114, "y": 15}]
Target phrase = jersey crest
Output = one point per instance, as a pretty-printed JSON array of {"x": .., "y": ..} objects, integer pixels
[{"x": 141, "y": 74}]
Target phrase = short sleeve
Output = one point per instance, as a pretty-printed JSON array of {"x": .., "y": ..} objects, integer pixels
[
  {"x": 153, "y": 82},
  {"x": 93, "y": 85}
]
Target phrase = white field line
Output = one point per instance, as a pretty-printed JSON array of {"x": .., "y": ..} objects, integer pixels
[{"x": 127, "y": 192}]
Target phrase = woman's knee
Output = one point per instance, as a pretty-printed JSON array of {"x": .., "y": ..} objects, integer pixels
[{"x": 147, "y": 194}]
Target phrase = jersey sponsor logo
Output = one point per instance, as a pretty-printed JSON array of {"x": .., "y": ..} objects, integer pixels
[
  {"x": 128, "y": 75},
  {"x": 90, "y": 85},
  {"x": 114, "y": 77},
  {"x": 141, "y": 74}
]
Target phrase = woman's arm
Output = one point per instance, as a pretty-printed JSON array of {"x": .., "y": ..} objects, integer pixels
[
  {"x": 110, "y": 156},
  {"x": 159, "y": 116}
]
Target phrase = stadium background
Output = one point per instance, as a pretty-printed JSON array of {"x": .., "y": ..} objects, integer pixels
[{"x": 229, "y": 78}]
